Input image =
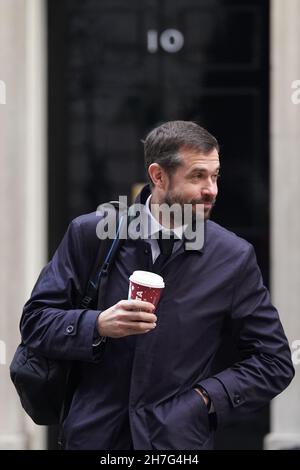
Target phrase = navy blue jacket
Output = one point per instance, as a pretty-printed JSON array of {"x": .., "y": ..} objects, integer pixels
[{"x": 138, "y": 392}]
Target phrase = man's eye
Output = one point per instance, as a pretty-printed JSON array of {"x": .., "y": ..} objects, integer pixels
[
  {"x": 201, "y": 175},
  {"x": 197, "y": 176}
]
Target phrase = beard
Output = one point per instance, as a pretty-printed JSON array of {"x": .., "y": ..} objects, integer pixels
[{"x": 172, "y": 197}]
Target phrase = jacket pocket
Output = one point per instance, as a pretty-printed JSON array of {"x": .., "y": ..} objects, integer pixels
[{"x": 181, "y": 423}]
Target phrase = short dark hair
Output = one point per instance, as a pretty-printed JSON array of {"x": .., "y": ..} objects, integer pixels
[{"x": 163, "y": 143}]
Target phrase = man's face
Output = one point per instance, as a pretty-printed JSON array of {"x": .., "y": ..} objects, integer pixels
[{"x": 195, "y": 181}]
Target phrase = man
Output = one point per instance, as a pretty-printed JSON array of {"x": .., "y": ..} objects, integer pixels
[{"x": 150, "y": 385}]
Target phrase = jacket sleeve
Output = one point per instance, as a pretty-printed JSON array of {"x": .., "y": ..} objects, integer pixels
[
  {"x": 266, "y": 368},
  {"x": 51, "y": 323}
]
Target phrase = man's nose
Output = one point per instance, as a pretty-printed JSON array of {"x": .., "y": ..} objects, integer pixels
[{"x": 209, "y": 190}]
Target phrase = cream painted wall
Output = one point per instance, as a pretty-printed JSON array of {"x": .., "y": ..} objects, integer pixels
[
  {"x": 23, "y": 206},
  {"x": 285, "y": 203}
]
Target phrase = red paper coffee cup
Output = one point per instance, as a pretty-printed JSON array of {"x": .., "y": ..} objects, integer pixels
[{"x": 147, "y": 286}]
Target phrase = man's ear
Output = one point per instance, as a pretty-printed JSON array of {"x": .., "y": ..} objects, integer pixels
[{"x": 158, "y": 175}]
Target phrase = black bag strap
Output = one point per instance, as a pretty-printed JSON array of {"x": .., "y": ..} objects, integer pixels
[{"x": 105, "y": 257}]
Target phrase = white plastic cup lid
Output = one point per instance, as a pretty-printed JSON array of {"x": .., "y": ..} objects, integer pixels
[{"x": 148, "y": 279}]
